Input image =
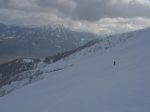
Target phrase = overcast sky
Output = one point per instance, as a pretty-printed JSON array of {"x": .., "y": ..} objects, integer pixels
[{"x": 98, "y": 16}]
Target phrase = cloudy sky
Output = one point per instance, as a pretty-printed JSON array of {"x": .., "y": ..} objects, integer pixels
[{"x": 98, "y": 16}]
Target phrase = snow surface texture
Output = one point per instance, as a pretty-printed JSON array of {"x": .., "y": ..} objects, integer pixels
[{"x": 90, "y": 82}]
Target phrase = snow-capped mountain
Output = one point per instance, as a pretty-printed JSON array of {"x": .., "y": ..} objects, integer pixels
[
  {"x": 17, "y": 41},
  {"x": 87, "y": 80}
]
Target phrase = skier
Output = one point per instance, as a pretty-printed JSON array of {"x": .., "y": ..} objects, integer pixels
[{"x": 114, "y": 63}]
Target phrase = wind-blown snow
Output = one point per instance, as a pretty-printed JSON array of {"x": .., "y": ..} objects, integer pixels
[{"x": 90, "y": 82}]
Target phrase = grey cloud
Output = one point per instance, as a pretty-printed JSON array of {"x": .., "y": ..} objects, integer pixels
[
  {"x": 93, "y": 10},
  {"x": 90, "y": 10},
  {"x": 63, "y": 6},
  {"x": 3, "y": 3}
]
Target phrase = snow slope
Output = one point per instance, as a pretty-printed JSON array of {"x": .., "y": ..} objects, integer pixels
[{"x": 89, "y": 82}]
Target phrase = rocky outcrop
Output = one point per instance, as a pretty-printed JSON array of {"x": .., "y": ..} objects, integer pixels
[{"x": 9, "y": 71}]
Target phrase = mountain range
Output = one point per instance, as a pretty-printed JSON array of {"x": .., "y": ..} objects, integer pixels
[{"x": 19, "y": 41}]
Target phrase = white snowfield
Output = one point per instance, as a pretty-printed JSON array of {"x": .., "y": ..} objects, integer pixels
[{"x": 90, "y": 82}]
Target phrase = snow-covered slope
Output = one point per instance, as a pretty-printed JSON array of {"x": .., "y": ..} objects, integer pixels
[{"x": 89, "y": 82}]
